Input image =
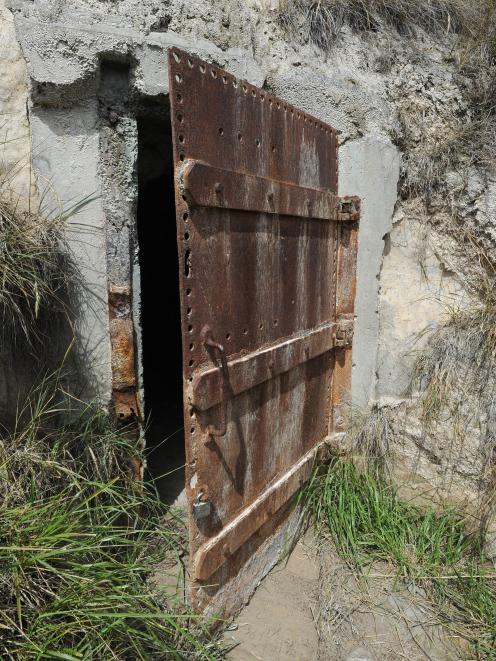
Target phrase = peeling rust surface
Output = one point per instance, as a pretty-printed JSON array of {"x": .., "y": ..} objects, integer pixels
[
  {"x": 346, "y": 261},
  {"x": 348, "y": 208},
  {"x": 124, "y": 394},
  {"x": 259, "y": 268},
  {"x": 213, "y": 554}
]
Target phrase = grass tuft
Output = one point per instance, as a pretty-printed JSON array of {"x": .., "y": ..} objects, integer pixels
[
  {"x": 368, "y": 522},
  {"x": 78, "y": 540},
  {"x": 322, "y": 22},
  {"x": 35, "y": 272},
  {"x": 371, "y": 435}
]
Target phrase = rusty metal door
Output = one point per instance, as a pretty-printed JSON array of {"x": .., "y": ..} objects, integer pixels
[{"x": 267, "y": 257}]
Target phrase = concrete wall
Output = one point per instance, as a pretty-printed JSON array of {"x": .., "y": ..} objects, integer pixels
[
  {"x": 66, "y": 160},
  {"x": 369, "y": 167}
]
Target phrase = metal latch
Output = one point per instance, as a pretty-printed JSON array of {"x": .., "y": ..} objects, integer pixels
[
  {"x": 201, "y": 508},
  {"x": 210, "y": 343},
  {"x": 347, "y": 206}
]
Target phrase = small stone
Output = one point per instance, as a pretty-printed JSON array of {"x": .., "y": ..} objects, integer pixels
[{"x": 359, "y": 654}]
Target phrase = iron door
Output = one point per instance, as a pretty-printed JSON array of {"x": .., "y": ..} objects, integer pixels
[{"x": 267, "y": 258}]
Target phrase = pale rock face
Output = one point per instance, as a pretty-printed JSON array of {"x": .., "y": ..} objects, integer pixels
[
  {"x": 15, "y": 143},
  {"x": 16, "y": 179},
  {"x": 434, "y": 465},
  {"x": 416, "y": 290}
]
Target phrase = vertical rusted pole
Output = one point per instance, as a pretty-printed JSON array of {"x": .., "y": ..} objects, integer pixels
[{"x": 346, "y": 257}]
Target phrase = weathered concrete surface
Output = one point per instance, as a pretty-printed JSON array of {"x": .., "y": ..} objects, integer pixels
[
  {"x": 63, "y": 46},
  {"x": 64, "y": 43},
  {"x": 369, "y": 167},
  {"x": 66, "y": 158}
]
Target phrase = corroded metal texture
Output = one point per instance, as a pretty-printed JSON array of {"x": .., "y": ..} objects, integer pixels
[
  {"x": 207, "y": 186},
  {"x": 254, "y": 368},
  {"x": 123, "y": 361},
  {"x": 124, "y": 391},
  {"x": 259, "y": 236},
  {"x": 346, "y": 260}
]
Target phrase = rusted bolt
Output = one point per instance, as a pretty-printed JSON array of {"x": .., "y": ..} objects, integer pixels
[{"x": 218, "y": 188}]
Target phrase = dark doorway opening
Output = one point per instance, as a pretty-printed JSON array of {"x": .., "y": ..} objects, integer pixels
[{"x": 160, "y": 309}]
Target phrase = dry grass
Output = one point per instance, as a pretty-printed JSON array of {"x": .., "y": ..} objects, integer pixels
[
  {"x": 456, "y": 378},
  {"x": 461, "y": 357},
  {"x": 322, "y": 21},
  {"x": 39, "y": 282},
  {"x": 468, "y": 30},
  {"x": 79, "y": 537},
  {"x": 371, "y": 436},
  {"x": 36, "y": 273}
]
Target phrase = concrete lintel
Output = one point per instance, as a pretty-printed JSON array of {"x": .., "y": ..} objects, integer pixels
[{"x": 66, "y": 50}]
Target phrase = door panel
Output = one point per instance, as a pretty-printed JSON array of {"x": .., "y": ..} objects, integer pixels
[{"x": 267, "y": 269}]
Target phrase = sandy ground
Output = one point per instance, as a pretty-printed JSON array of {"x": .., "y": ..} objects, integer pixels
[
  {"x": 278, "y": 623},
  {"x": 312, "y": 607}
]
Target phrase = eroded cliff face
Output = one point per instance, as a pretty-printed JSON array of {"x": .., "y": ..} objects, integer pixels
[
  {"x": 15, "y": 166},
  {"x": 16, "y": 180},
  {"x": 401, "y": 104}
]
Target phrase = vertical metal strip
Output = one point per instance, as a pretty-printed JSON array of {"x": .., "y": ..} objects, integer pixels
[
  {"x": 345, "y": 300},
  {"x": 189, "y": 333}
]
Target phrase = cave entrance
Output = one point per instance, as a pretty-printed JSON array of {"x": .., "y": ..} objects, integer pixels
[{"x": 161, "y": 350}]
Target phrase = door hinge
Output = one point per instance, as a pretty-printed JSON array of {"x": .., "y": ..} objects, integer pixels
[{"x": 344, "y": 333}]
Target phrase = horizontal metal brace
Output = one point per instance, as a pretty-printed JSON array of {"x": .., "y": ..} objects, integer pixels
[
  {"x": 254, "y": 368},
  {"x": 208, "y": 186},
  {"x": 212, "y": 555}
]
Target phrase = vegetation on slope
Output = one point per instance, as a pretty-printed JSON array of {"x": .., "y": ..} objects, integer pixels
[
  {"x": 454, "y": 375},
  {"x": 322, "y": 22},
  {"x": 78, "y": 540},
  {"x": 367, "y": 522},
  {"x": 37, "y": 276}
]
